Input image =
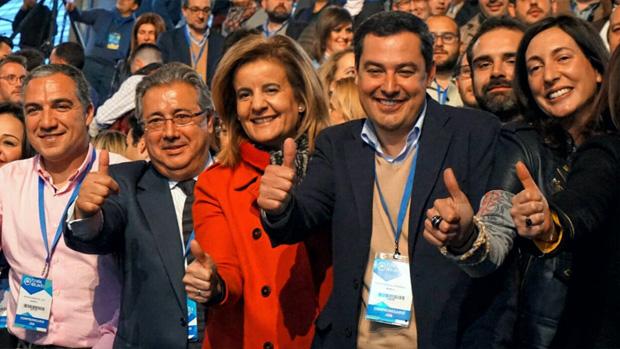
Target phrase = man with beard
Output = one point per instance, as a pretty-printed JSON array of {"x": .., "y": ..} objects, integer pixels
[
  {"x": 277, "y": 17},
  {"x": 446, "y": 44},
  {"x": 532, "y": 11},
  {"x": 193, "y": 44},
  {"x": 492, "y": 53}
]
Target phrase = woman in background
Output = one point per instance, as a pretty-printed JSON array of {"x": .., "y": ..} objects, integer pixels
[
  {"x": 338, "y": 66},
  {"x": 334, "y": 33},
  {"x": 344, "y": 102}
]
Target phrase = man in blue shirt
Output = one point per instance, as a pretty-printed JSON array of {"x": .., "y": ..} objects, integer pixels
[{"x": 109, "y": 42}]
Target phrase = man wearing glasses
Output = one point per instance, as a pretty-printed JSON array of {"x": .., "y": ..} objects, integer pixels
[
  {"x": 142, "y": 211},
  {"x": 194, "y": 44},
  {"x": 445, "y": 54},
  {"x": 12, "y": 73}
]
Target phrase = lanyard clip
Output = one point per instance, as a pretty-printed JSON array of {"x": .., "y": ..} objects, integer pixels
[{"x": 396, "y": 250}]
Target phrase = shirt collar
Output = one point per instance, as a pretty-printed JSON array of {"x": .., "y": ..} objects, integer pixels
[
  {"x": 173, "y": 184},
  {"x": 47, "y": 177},
  {"x": 369, "y": 136}
]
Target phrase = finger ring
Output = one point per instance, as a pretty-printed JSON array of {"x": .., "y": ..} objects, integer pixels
[
  {"x": 435, "y": 221},
  {"x": 528, "y": 222},
  {"x": 199, "y": 293}
]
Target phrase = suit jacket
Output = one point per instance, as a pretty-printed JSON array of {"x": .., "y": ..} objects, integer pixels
[
  {"x": 139, "y": 223},
  {"x": 338, "y": 190},
  {"x": 175, "y": 48}
]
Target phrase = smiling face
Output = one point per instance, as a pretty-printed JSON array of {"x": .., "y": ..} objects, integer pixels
[
  {"x": 10, "y": 91},
  {"x": 439, "y": 7},
  {"x": 56, "y": 121},
  {"x": 339, "y": 38},
  {"x": 562, "y": 80},
  {"x": 418, "y": 8},
  {"x": 147, "y": 34},
  {"x": 392, "y": 80},
  {"x": 11, "y": 138},
  {"x": 267, "y": 108},
  {"x": 177, "y": 152},
  {"x": 493, "y": 8},
  {"x": 532, "y": 11}
]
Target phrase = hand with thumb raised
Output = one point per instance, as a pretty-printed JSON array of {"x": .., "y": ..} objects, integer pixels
[
  {"x": 97, "y": 186},
  {"x": 202, "y": 283},
  {"x": 530, "y": 210},
  {"x": 450, "y": 220},
  {"x": 278, "y": 181}
]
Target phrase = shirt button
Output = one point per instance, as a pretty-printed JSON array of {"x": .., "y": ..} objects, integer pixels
[
  {"x": 356, "y": 284},
  {"x": 265, "y": 291},
  {"x": 256, "y": 234},
  {"x": 268, "y": 345}
]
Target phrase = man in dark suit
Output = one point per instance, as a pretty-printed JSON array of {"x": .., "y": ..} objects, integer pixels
[
  {"x": 372, "y": 181},
  {"x": 193, "y": 44},
  {"x": 142, "y": 211}
]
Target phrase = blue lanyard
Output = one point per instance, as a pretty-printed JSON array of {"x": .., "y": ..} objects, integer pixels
[
  {"x": 442, "y": 95},
  {"x": 61, "y": 225},
  {"x": 202, "y": 43},
  {"x": 403, "y": 203},
  {"x": 187, "y": 249}
]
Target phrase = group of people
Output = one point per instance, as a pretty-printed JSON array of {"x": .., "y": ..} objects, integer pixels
[{"x": 324, "y": 175}]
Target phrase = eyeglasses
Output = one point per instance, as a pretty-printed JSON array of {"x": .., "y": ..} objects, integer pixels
[
  {"x": 13, "y": 79},
  {"x": 157, "y": 123},
  {"x": 447, "y": 38},
  {"x": 194, "y": 10}
]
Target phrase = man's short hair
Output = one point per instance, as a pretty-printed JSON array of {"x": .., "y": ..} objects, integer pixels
[
  {"x": 13, "y": 59},
  {"x": 147, "y": 53},
  {"x": 391, "y": 23},
  {"x": 72, "y": 53},
  {"x": 168, "y": 74},
  {"x": 81, "y": 86},
  {"x": 34, "y": 57},
  {"x": 493, "y": 23},
  {"x": 6, "y": 41}
]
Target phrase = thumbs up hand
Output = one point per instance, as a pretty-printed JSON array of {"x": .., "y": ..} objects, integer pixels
[
  {"x": 201, "y": 280},
  {"x": 449, "y": 221},
  {"x": 530, "y": 210},
  {"x": 277, "y": 181},
  {"x": 97, "y": 186}
]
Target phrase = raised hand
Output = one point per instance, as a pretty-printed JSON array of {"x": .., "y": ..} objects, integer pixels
[
  {"x": 97, "y": 186},
  {"x": 201, "y": 280},
  {"x": 449, "y": 221},
  {"x": 530, "y": 210},
  {"x": 277, "y": 181}
]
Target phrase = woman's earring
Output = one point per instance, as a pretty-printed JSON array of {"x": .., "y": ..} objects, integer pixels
[{"x": 302, "y": 108}]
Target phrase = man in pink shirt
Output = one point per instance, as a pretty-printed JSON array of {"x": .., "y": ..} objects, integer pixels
[{"x": 58, "y": 297}]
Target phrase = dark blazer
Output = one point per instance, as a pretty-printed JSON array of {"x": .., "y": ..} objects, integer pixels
[
  {"x": 139, "y": 223},
  {"x": 175, "y": 48},
  {"x": 589, "y": 209},
  {"x": 338, "y": 190}
]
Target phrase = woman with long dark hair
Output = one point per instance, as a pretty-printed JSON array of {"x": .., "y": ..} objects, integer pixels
[{"x": 559, "y": 68}]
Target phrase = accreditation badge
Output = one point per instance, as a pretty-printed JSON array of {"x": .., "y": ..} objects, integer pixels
[
  {"x": 192, "y": 321},
  {"x": 5, "y": 293},
  {"x": 390, "y": 297},
  {"x": 34, "y": 303},
  {"x": 114, "y": 41}
]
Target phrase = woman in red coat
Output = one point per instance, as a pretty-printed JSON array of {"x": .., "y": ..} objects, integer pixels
[{"x": 265, "y": 90}]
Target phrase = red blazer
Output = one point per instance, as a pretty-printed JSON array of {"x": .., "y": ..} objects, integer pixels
[{"x": 273, "y": 295}]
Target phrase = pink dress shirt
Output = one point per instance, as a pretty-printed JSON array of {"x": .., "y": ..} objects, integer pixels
[{"x": 86, "y": 288}]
